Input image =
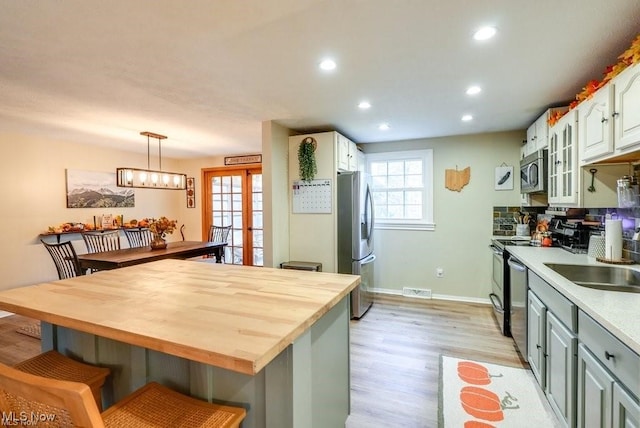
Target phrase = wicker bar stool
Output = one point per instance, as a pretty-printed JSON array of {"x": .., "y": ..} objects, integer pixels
[
  {"x": 155, "y": 405},
  {"x": 71, "y": 404},
  {"x": 54, "y": 365}
]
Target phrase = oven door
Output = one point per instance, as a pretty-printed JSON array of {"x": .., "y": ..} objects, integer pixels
[{"x": 497, "y": 288}]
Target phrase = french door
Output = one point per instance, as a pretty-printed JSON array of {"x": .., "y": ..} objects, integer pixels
[{"x": 233, "y": 196}]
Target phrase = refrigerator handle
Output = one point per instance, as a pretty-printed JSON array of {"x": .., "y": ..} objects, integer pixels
[
  {"x": 368, "y": 260},
  {"x": 368, "y": 215}
]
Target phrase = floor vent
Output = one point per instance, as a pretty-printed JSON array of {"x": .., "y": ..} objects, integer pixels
[{"x": 422, "y": 293}]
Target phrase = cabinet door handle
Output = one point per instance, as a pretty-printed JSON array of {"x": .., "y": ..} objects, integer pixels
[{"x": 609, "y": 356}]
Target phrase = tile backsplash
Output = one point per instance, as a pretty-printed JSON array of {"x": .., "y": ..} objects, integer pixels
[{"x": 504, "y": 223}]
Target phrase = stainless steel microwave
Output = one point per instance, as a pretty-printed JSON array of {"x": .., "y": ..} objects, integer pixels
[{"x": 533, "y": 172}]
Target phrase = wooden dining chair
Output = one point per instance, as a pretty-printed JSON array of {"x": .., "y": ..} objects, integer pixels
[
  {"x": 138, "y": 237},
  {"x": 99, "y": 241},
  {"x": 71, "y": 404},
  {"x": 219, "y": 234},
  {"x": 65, "y": 258}
]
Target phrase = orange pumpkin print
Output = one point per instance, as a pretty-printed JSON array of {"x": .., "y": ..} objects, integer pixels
[
  {"x": 481, "y": 404},
  {"x": 477, "y": 424},
  {"x": 473, "y": 373}
]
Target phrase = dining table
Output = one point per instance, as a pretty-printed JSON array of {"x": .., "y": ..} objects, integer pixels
[{"x": 116, "y": 259}]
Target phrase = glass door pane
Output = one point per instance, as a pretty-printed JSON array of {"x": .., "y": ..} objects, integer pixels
[
  {"x": 256, "y": 222},
  {"x": 236, "y": 200}
]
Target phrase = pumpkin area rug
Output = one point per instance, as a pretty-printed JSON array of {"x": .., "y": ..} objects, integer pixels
[{"x": 474, "y": 394}]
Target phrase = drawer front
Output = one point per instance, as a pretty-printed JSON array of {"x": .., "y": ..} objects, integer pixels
[
  {"x": 555, "y": 302},
  {"x": 611, "y": 352}
]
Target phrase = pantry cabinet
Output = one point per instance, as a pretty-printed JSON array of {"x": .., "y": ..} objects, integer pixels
[{"x": 563, "y": 161}]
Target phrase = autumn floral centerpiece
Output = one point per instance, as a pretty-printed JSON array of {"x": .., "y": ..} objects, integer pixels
[{"x": 160, "y": 228}]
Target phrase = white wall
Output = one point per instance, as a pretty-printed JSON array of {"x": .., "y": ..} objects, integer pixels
[
  {"x": 33, "y": 170},
  {"x": 463, "y": 219},
  {"x": 275, "y": 157}
]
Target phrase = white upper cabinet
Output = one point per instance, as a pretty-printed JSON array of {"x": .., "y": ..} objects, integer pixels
[
  {"x": 626, "y": 115},
  {"x": 563, "y": 161},
  {"x": 610, "y": 121},
  {"x": 538, "y": 132},
  {"x": 347, "y": 154},
  {"x": 595, "y": 125}
]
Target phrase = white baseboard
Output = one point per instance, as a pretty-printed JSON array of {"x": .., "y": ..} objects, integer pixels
[
  {"x": 5, "y": 314},
  {"x": 480, "y": 300}
]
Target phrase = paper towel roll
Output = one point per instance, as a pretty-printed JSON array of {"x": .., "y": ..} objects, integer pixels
[{"x": 613, "y": 239}]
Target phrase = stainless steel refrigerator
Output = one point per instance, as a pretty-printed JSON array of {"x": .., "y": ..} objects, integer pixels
[{"x": 355, "y": 237}]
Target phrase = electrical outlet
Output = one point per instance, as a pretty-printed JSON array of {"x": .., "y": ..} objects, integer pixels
[{"x": 439, "y": 273}]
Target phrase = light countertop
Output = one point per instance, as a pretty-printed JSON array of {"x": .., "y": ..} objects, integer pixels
[
  {"x": 235, "y": 317},
  {"x": 618, "y": 312}
]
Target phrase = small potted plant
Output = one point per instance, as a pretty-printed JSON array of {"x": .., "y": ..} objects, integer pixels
[{"x": 307, "y": 159}]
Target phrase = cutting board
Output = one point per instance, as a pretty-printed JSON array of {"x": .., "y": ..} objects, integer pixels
[{"x": 455, "y": 179}]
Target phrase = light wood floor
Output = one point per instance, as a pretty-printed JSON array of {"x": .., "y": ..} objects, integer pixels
[{"x": 395, "y": 352}]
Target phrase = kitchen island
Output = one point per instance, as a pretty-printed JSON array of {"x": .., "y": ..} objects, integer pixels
[{"x": 273, "y": 341}]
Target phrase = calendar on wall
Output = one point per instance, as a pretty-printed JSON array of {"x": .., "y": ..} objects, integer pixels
[{"x": 312, "y": 197}]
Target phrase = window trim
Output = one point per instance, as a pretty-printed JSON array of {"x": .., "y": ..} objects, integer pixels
[{"x": 427, "y": 222}]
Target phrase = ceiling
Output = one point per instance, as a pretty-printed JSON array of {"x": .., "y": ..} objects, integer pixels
[{"x": 206, "y": 73}]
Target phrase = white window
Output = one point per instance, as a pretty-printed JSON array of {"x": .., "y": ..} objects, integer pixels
[{"x": 402, "y": 187}]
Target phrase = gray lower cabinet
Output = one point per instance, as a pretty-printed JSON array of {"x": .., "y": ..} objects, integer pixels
[
  {"x": 561, "y": 363},
  {"x": 626, "y": 410},
  {"x": 552, "y": 346},
  {"x": 536, "y": 341},
  {"x": 608, "y": 379},
  {"x": 595, "y": 391}
]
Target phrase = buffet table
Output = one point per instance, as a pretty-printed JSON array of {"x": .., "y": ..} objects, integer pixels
[{"x": 274, "y": 341}]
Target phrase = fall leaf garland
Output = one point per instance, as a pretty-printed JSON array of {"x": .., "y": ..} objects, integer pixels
[{"x": 629, "y": 57}]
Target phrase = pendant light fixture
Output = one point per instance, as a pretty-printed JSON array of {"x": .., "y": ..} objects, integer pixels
[{"x": 149, "y": 178}]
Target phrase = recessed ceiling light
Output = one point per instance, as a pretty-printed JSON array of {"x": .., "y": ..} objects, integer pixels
[
  {"x": 327, "y": 64},
  {"x": 484, "y": 33},
  {"x": 473, "y": 90},
  {"x": 364, "y": 105},
  {"x": 467, "y": 118},
  {"x": 384, "y": 127}
]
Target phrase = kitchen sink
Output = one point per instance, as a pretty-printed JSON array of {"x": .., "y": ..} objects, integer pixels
[{"x": 600, "y": 277}]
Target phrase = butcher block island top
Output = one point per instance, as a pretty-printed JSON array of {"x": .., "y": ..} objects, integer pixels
[{"x": 234, "y": 317}]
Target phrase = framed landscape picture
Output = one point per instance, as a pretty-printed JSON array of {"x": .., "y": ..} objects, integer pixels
[{"x": 91, "y": 189}]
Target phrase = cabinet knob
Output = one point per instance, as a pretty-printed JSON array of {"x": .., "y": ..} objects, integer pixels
[
  {"x": 604, "y": 120},
  {"x": 538, "y": 346},
  {"x": 609, "y": 356},
  {"x": 558, "y": 162},
  {"x": 615, "y": 114}
]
